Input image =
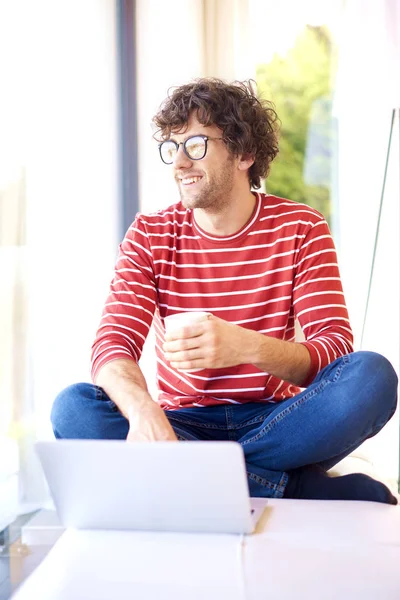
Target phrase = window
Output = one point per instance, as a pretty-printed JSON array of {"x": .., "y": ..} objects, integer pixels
[{"x": 295, "y": 69}]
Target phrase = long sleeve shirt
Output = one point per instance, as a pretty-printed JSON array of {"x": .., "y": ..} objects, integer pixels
[{"x": 280, "y": 266}]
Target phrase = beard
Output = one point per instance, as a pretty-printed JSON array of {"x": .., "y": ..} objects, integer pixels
[{"x": 213, "y": 195}]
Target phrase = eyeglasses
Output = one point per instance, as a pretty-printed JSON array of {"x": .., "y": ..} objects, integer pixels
[{"x": 195, "y": 148}]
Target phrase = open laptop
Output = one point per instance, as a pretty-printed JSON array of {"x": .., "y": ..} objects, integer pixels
[{"x": 154, "y": 486}]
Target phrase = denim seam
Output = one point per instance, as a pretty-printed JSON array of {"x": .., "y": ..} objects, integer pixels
[
  {"x": 101, "y": 395},
  {"x": 184, "y": 421},
  {"x": 99, "y": 392},
  {"x": 181, "y": 438},
  {"x": 277, "y": 488},
  {"x": 228, "y": 416},
  {"x": 253, "y": 421},
  {"x": 231, "y": 425}
]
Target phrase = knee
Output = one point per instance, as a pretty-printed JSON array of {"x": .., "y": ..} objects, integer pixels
[
  {"x": 378, "y": 377},
  {"x": 68, "y": 405}
]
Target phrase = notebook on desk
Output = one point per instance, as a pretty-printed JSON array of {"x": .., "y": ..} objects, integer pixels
[{"x": 162, "y": 486}]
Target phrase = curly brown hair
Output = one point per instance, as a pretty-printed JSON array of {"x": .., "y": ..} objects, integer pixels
[{"x": 249, "y": 126}]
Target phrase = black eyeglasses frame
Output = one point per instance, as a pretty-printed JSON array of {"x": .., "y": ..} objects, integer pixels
[{"x": 183, "y": 144}]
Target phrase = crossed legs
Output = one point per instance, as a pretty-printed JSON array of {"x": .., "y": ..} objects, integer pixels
[{"x": 288, "y": 446}]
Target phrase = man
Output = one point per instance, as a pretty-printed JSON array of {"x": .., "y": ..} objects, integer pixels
[{"x": 255, "y": 263}]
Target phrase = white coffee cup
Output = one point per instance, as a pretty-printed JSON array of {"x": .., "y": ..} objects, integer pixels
[
  {"x": 179, "y": 320},
  {"x": 173, "y": 322}
]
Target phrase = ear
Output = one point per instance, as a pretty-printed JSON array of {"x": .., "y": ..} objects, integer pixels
[{"x": 245, "y": 162}]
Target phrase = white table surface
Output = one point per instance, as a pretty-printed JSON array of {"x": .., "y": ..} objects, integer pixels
[{"x": 301, "y": 549}]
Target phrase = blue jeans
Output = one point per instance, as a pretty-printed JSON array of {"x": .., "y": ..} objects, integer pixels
[{"x": 349, "y": 401}]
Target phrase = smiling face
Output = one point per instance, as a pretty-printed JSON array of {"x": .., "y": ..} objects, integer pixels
[{"x": 207, "y": 183}]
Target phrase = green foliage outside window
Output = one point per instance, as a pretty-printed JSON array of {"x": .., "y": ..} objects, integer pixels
[{"x": 299, "y": 84}]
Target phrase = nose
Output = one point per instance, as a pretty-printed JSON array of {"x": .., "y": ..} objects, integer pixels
[{"x": 181, "y": 160}]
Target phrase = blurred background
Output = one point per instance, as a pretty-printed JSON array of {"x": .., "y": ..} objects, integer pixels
[{"x": 79, "y": 84}]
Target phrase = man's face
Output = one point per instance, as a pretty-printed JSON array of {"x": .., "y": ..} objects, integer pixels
[{"x": 206, "y": 183}]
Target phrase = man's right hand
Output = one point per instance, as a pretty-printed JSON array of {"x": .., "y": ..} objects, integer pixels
[
  {"x": 148, "y": 423},
  {"x": 123, "y": 381}
]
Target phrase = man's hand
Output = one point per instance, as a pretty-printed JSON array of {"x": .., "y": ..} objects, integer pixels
[
  {"x": 123, "y": 381},
  {"x": 208, "y": 344},
  {"x": 217, "y": 344},
  {"x": 148, "y": 423}
]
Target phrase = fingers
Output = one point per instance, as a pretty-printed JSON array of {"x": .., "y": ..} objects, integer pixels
[
  {"x": 144, "y": 430},
  {"x": 177, "y": 358},
  {"x": 195, "y": 346},
  {"x": 190, "y": 331},
  {"x": 182, "y": 344}
]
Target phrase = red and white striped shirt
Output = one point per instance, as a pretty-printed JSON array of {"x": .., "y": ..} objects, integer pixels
[{"x": 281, "y": 265}]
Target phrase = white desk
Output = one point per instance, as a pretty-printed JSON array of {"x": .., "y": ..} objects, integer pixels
[{"x": 302, "y": 549}]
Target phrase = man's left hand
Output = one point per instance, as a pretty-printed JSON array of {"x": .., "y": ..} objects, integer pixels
[{"x": 208, "y": 344}]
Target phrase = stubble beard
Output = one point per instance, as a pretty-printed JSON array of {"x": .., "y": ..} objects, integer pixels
[{"x": 214, "y": 195}]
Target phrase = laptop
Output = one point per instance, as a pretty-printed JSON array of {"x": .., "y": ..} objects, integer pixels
[{"x": 150, "y": 486}]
